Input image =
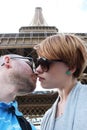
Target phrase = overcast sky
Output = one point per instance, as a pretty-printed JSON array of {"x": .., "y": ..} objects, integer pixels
[{"x": 66, "y": 15}]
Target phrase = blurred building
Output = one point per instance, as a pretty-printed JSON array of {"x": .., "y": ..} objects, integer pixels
[{"x": 28, "y": 36}]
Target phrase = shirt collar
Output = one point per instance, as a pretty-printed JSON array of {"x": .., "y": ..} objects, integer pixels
[{"x": 7, "y": 106}]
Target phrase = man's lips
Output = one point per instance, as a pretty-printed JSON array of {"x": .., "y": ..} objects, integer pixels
[{"x": 34, "y": 77}]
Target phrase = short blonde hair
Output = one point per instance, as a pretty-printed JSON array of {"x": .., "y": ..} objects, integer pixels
[{"x": 66, "y": 47}]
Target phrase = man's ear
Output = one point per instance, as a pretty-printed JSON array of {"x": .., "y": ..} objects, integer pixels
[{"x": 7, "y": 61}]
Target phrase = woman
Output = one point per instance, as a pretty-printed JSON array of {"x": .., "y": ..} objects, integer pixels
[{"x": 62, "y": 60}]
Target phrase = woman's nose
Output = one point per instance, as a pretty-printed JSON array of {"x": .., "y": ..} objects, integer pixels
[{"x": 38, "y": 70}]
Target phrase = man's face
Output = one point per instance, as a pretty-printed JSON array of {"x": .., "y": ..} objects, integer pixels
[{"x": 22, "y": 76}]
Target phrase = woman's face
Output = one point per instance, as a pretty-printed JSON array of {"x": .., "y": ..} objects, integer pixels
[{"x": 55, "y": 77}]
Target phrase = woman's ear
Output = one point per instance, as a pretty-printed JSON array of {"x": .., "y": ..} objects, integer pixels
[
  {"x": 70, "y": 71},
  {"x": 73, "y": 70},
  {"x": 7, "y": 61}
]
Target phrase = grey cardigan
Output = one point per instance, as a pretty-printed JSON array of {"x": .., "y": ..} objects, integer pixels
[{"x": 75, "y": 113}]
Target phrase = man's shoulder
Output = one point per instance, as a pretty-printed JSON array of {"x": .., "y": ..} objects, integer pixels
[
  {"x": 32, "y": 126},
  {"x": 25, "y": 125}
]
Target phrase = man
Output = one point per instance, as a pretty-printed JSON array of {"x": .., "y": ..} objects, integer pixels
[{"x": 16, "y": 78}]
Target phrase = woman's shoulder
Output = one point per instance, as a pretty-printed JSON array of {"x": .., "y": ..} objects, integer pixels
[
  {"x": 83, "y": 87},
  {"x": 83, "y": 91}
]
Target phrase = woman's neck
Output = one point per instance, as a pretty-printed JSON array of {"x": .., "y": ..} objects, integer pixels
[{"x": 64, "y": 92}]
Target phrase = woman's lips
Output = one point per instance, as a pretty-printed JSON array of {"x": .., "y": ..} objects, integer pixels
[{"x": 41, "y": 79}]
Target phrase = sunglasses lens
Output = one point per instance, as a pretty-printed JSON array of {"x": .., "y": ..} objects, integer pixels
[
  {"x": 43, "y": 63},
  {"x": 30, "y": 62}
]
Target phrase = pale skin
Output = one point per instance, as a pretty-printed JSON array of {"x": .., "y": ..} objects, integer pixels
[
  {"x": 57, "y": 78},
  {"x": 16, "y": 78}
]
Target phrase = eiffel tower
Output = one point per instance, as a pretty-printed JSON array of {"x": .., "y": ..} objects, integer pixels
[{"x": 23, "y": 42}]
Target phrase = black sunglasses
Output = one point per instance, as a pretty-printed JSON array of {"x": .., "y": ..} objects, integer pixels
[
  {"x": 28, "y": 60},
  {"x": 45, "y": 63}
]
